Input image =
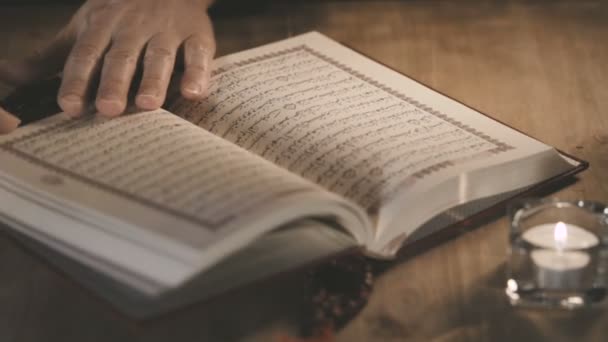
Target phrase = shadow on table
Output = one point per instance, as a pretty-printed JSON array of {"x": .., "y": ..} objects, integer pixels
[{"x": 481, "y": 312}]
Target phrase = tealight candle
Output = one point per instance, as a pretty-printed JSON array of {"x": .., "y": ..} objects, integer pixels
[
  {"x": 559, "y": 260},
  {"x": 558, "y": 253},
  {"x": 560, "y": 235},
  {"x": 559, "y": 270}
]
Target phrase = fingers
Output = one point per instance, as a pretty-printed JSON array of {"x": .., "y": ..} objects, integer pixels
[
  {"x": 8, "y": 122},
  {"x": 159, "y": 61},
  {"x": 80, "y": 67},
  {"x": 119, "y": 67},
  {"x": 199, "y": 50}
]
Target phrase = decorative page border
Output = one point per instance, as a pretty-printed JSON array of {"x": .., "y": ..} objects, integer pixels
[
  {"x": 9, "y": 145},
  {"x": 500, "y": 146}
]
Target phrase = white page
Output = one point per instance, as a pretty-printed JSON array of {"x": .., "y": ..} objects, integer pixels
[
  {"x": 156, "y": 181},
  {"x": 348, "y": 123}
]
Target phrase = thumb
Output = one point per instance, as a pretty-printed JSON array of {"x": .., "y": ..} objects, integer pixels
[
  {"x": 8, "y": 122},
  {"x": 40, "y": 65}
]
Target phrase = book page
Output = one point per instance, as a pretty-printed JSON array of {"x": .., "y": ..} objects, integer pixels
[
  {"x": 303, "y": 110},
  {"x": 191, "y": 193},
  {"x": 347, "y": 123},
  {"x": 160, "y": 161}
]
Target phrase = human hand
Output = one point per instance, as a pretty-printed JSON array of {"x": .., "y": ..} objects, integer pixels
[
  {"x": 107, "y": 39},
  {"x": 8, "y": 122}
]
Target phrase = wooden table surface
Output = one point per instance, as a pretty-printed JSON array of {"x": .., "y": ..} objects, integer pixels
[{"x": 538, "y": 66}]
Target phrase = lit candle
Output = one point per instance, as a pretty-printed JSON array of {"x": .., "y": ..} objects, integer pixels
[
  {"x": 560, "y": 235},
  {"x": 559, "y": 258}
]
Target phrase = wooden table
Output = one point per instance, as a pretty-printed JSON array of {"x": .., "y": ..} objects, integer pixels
[{"x": 540, "y": 67}]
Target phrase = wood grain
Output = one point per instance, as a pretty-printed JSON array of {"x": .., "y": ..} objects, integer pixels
[{"x": 538, "y": 66}]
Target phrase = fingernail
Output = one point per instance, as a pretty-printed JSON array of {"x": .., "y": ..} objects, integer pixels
[
  {"x": 192, "y": 88},
  {"x": 71, "y": 104},
  {"x": 110, "y": 107},
  {"x": 8, "y": 122},
  {"x": 147, "y": 101}
]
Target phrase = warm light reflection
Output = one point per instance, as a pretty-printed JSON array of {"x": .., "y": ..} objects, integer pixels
[
  {"x": 511, "y": 291},
  {"x": 560, "y": 234}
]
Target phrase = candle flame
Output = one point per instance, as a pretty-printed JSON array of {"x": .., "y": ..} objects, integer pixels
[{"x": 560, "y": 234}]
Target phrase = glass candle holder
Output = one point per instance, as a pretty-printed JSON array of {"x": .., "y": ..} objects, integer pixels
[{"x": 558, "y": 253}]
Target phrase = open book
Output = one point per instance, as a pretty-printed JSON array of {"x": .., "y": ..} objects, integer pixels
[{"x": 304, "y": 148}]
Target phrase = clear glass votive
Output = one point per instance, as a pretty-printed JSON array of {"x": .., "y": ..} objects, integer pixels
[{"x": 558, "y": 253}]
